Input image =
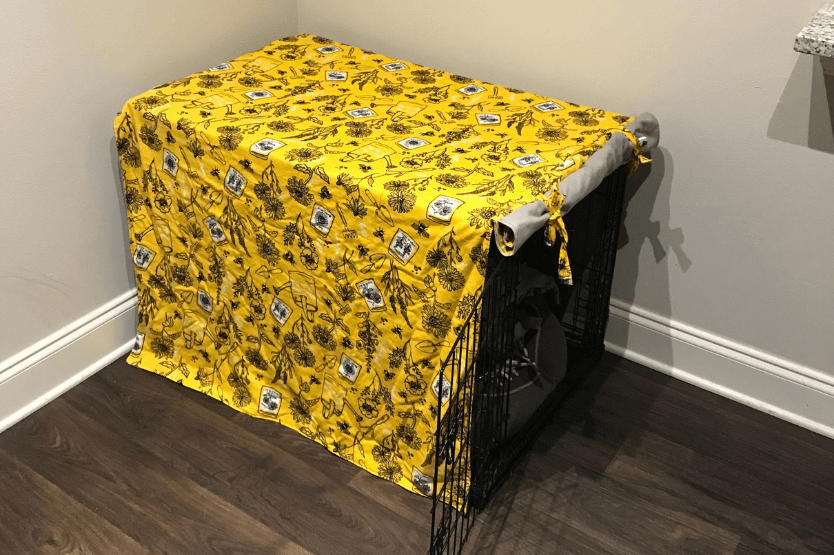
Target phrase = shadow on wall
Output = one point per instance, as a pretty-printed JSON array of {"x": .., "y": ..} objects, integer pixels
[
  {"x": 805, "y": 113},
  {"x": 647, "y": 213},
  {"x": 648, "y": 180}
]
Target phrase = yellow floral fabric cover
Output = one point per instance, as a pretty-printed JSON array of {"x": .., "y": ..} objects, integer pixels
[{"x": 310, "y": 225}]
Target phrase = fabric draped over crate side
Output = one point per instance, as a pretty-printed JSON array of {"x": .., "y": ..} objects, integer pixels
[{"x": 310, "y": 225}]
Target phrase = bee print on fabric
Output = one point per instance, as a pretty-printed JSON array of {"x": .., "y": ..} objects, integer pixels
[
  {"x": 488, "y": 119},
  {"x": 255, "y": 95},
  {"x": 349, "y": 369},
  {"x": 442, "y": 209},
  {"x": 235, "y": 182},
  {"x": 264, "y": 147},
  {"x": 170, "y": 163},
  {"x": 137, "y": 343},
  {"x": 547, "y": 107},
  {"x": 270, "y": 402},
  {"x": 441, "y": 388},
  {"x": 361, "y": 113},
  {"x": 412, "y": 142},
  {"x": 396, "y": 66},
  {"x": 280, "y": 311},
  {"x": 528, "y": 160},
  {"x": 370, "y": 292},
  {"x": 215, "y": 231},
  {"x": 204, "y": 301},
  {"x": 321, "y": 220},
  {"x": 471, "y": 89},
  {"x": 143, "y": 256},
  {"x": 422, "y": 483},
  {"x": 402, "y": 247}
]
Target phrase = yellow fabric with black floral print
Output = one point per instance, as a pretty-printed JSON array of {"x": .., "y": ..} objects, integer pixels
[{"x": 310, "y": 225}]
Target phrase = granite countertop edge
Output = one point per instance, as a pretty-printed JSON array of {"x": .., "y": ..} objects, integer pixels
[{"x": 818, "y": 36}]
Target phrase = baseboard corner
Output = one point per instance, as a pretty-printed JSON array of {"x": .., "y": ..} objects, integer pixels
[{"x": 56, "y": 364}]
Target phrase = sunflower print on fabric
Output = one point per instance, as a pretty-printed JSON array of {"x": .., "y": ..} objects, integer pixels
[{"x": 310, "y": 223}]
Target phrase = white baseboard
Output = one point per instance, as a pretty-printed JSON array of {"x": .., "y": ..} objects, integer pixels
[
  {"x": 795, "y": 393},
  {"x": 785, "y": 389},
  {"x": 52, "y": 366}
]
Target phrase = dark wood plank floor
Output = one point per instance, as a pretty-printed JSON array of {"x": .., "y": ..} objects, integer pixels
[{"x": 633, "y": 463}]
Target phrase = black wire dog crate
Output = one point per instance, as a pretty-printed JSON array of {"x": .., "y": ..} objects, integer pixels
[{"x": 474, "y": 453}]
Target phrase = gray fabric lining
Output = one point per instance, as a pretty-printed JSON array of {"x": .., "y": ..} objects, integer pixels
[{"x": 514, "y": 229}]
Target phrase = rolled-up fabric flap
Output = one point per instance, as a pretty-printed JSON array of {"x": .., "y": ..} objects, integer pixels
[
  {"x": 647, "y": 130},
  {"x": 514, "y": 229},
  {"x": 616, "y": 152}
]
